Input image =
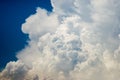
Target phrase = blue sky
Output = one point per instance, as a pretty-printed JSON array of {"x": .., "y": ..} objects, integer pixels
[{"x": 12, "y": 14}]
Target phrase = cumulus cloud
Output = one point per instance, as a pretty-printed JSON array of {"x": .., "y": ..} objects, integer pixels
[
  {"x": 78, "y": 40},
  {"x": 40, "y": 23},
  {"x": 14, "y": 71}
]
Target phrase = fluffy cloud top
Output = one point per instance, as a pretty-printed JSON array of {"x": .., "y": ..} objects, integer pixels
[{"x": 79, "y": 40}]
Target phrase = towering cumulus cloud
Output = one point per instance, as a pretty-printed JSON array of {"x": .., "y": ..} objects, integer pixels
[{"x": 78, "y": 40}]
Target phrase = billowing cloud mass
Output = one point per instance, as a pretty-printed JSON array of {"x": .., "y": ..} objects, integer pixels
[{"x": 78, "y": 40}]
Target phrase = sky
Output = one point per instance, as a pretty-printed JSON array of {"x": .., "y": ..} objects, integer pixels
[
  {"x": 12, "y": 14},
  {"x": 72, "y": 40}
]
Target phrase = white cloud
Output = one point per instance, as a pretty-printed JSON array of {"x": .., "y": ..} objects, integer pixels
[
  {"x": 14, "y": 71},
  {"x": 79, "y": 40},
  {"x": 40, "y": 23}
]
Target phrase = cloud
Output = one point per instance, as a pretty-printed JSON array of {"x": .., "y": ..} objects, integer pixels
[
  {"x": 79, "y": 40},
  {"x": 14, "y": 71},
  {"x": 40, "y": 23}
]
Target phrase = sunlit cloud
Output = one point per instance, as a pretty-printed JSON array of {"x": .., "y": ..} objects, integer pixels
[{"x": 78, "y": 40}]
